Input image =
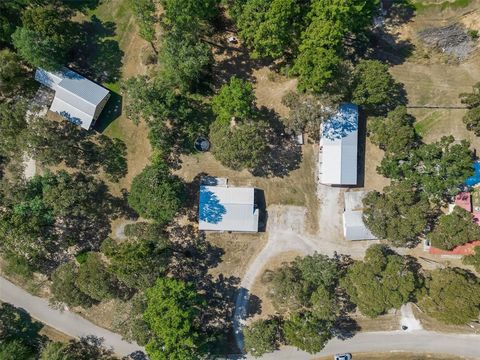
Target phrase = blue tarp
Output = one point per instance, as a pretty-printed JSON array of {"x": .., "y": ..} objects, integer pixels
[{"x": 475, "y": 179}]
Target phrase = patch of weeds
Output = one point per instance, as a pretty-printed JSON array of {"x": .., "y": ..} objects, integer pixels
[
  {"x": 473, "y": 34},
  {"x": 421, "y": 6},
  {"x": 82, "y": 256}
]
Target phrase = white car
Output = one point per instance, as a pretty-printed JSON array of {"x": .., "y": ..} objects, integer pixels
[{"x": 346, "y": 356}]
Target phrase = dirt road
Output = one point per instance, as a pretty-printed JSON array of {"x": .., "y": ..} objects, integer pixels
[{"x": 64, "y": 321}]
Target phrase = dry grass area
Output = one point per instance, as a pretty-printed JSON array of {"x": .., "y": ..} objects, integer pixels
[
  {"x": 387, "y": 322},
  {"x": 54, "y": 335},
  {"x": 397, "y": 356},
  {"x": 431, "y": 78},
  {"x": 429, "y": 323},
  {"x": 239, "y": 250},
  {"x": 373, "y": 156}
]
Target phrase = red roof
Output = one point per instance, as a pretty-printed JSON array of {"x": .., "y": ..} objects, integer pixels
[
  {"x": 464, "y": 200},
  {"x": 467, "y": 249}
]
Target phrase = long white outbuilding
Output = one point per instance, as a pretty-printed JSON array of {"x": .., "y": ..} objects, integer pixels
[{"x": 339, "y": 147}]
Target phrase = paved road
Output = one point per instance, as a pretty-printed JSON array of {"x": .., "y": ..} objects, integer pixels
[
  {"x": 391, "y": 341},
  {"x": 64, "y": 321}
]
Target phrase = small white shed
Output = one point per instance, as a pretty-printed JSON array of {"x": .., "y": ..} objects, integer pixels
[
  {"x": 77, "y": 99},
  {"x": 353, "y": 226}
]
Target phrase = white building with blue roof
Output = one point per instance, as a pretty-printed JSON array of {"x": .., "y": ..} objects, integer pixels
[
  {"x": 339, "y": 147},
  {"x": 77, "y": 99}
]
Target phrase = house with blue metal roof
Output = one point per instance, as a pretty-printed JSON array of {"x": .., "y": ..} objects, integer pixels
[
  {"x": 77, "y": 99},
  {"x": 339, "y": 147}
]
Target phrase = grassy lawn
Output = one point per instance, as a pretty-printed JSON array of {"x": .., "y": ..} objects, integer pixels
[{"x": 113, "y": 121}]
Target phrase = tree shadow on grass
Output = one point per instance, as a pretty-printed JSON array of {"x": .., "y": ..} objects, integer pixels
[
  {"x": 194, "y": 257},
  {"x": 97, "y": 55},
  {"x": 283, "y": 154}
]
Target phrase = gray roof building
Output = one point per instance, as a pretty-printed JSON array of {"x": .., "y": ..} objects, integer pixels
[
  {"x": 224, "y": 208},
  {"x": 77, "y": 99}
]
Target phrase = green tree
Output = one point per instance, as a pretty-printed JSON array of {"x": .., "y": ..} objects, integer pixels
[
  {"x": 12, "y": 73},
  {"x": 374, "y": 88},
  {"x": 54, "y": 351},
  {"x": 185, "y": 60},
  {"x": 64, "y": 288},
  {"x": 472, "y": 100},
  {"x": 454, "y": 229},
  {"x": 472, "y": 120},
  {"x": 473, "y": 259},
  {"x": 156, "y": 194},
  {"x": 270, "y": 28},
  {"x": 308, "y": 112},
  {"x": 306, "y": 332},
  {"x": 10, "y": 18},
  {"x": 292, "y": 287},
  {"x": 12, "y": 125},
  {"x": 319, "y": 63},
  {"x": 144, "y": 11},
  {"x": 88, "y": 348},
  {"x": 189, "y": 16},
  {"x": 452, "y": 296},
  {"x": 238, "y": 147},
  {"x": 262, "y": 336},
  {"x": 94, "y": 280},
  {"x": 16, "y": 325},
  {"x": 381, "y": 282},
  {"x": 394, "y": 134},
  {"x": 45, "y": 36},
  {"x": 14, "y": 350},
  {"x": 399, "y": 215},
  {"x": 234, "y": 100},
  {"x": 173, "y": 308},
  {"x": 138, "y": 263}
]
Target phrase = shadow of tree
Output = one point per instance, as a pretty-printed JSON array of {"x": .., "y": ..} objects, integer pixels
[
  {"x": 236, "y": 62},
  {"x": 81, "y": 5},
  {"x": 194, "y": 257},
  {"x": 97, "y": 55},
  {"x": 254, "y": 305},
  {"x": 283, "y": 155}
]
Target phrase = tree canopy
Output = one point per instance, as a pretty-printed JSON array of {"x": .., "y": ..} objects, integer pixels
[
  {"x": 454, "y": 229},
  {"x": 270, "y": 28},
  {"x": 472, "y": 117},
  {"x": 394, "y": 134},
  {"x": 12, "y": 73},
  {"x": 452, "y": 296},
  {"x": 241, "y": 146},
  {"x": 381, "y": 282},
  {"x": 173, "y": 308},
  {"x": 374, "y": 88},
  {"x": 262, "y": 336},
  {"x": 45, "y": 36},
  {"x": 399, "y": 214},
  {"x": 156, "y": 193},
  {"x": 235, "y": 99}
]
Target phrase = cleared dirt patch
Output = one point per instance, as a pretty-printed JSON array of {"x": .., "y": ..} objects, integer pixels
[{"x": 239, "y": 250}]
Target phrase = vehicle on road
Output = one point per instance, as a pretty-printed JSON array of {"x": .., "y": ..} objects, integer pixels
[{"x": 346, "y": 356}]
